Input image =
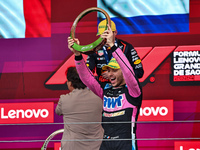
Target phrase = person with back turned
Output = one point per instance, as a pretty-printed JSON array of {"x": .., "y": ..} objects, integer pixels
[{"x": 80, "y": 107}]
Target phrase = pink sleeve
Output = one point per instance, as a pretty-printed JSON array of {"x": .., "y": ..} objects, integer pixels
[
  {"x": 128, "y": 73},
  {"x": 88, "y": 78}
]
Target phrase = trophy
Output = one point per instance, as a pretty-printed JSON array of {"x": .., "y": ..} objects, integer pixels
[{"x": 96, "y": 45}]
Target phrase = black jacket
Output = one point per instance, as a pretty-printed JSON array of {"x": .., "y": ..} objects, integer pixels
[{"x": 97, "y": 60}]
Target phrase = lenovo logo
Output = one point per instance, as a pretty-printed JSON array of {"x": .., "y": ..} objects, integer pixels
[
  {"x": 147, "y": 111},
  {"x": 187, "y": 145},
  {"x": 156, "y": 110},
  {"x": 26, "y": 112},
  {"x": 20, "y": 113}
]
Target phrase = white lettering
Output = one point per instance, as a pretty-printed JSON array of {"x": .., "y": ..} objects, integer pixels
[
  {"x": 178, "y": 72},
  {"x": 163, "y": 111},
  {"x": 192, "y": 72},
  {"x": 176, "y": 54},
  {"x": 179, "y": 66},
  {"x": 155, "y": 112},
  {"x": 187, "y": 60},
  {"x": 29, "y": 113},
  {"x": 181, "y": 148},
  {"x": 147, "y": 111},
  {"x": 11, "y": 114},
  {"x": 187, "y": 53},
  {"x": 18, "y": 113},
  {"x": 44, "y": 111},
  {"x": 2, "y": 114},
  {"x": 36, "y": 114}
]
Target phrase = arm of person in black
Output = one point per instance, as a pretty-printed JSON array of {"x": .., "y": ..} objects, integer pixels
[
  {"x": 134, "y": 60},
  {"x": 91, "y": 63}
]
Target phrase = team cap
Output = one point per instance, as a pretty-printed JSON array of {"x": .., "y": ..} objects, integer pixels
[
  {"x": 102, "y": 26},
  {"x": 112, "y": 64}
]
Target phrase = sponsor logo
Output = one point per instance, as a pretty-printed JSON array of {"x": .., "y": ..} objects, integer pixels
[
  {"x": 133, "y": 52},
  {"x": 87, "y": 47},
  {"x": 120, "y": 113},
  {"x": 100, "y": 53},
  {"x": 138, "y": 66},
  {"x": 134, "y": 58},
  {"x": 187, "y": 145},
  {"x": 57, "y": 146},
  {"x": 100, "y": 65},
  {"x": 100, "y": 58},
  {"x": 109, "y": 137},
  {"x": 20, "y": 113},
  {"x": 137, "y": 61},
  {"x": 27, "y": 112},
  {"x": 155, "y": 55},
  {"x": 156, "y": 110},
  {"x": 186, "y": 64},
  {"x": 121, "y": 47},
  {"x": 111, "y": 103}
]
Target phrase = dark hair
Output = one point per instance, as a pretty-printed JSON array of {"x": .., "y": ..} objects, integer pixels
[{"x": 72, "y": 75}]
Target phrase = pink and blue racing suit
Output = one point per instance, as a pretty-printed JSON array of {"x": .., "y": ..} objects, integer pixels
[{"x": 120, "y": 104}]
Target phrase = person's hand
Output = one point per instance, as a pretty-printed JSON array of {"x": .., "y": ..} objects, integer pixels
[
  {"x": 71, "y": 43},
  {"x": 109, "y": 35},
  {"x": 104, "y": 74}
]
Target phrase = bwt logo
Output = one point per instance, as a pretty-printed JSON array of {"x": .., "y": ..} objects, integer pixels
[
  {"x": 27, "y": 112},
  {"x": 112, "y": 102},
  {"x": 156, "y": 110},
  {"x": 187, "y": 145}
]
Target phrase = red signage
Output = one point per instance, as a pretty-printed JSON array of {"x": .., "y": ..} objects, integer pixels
[
  {"x": 186, "y": 63},
  {"x": 156, "y": 110},
  {"x": 154, "y": 55},
  {"x": 57, "y": 146},
  {"x": 187, "y": 145},
  {"x": 26, "y": 112}
]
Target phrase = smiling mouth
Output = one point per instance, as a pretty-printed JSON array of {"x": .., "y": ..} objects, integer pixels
[{"x": 112, "y": 80}]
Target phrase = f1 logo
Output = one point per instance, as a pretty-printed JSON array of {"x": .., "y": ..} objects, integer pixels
[{"x": 151, "y": 59}]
